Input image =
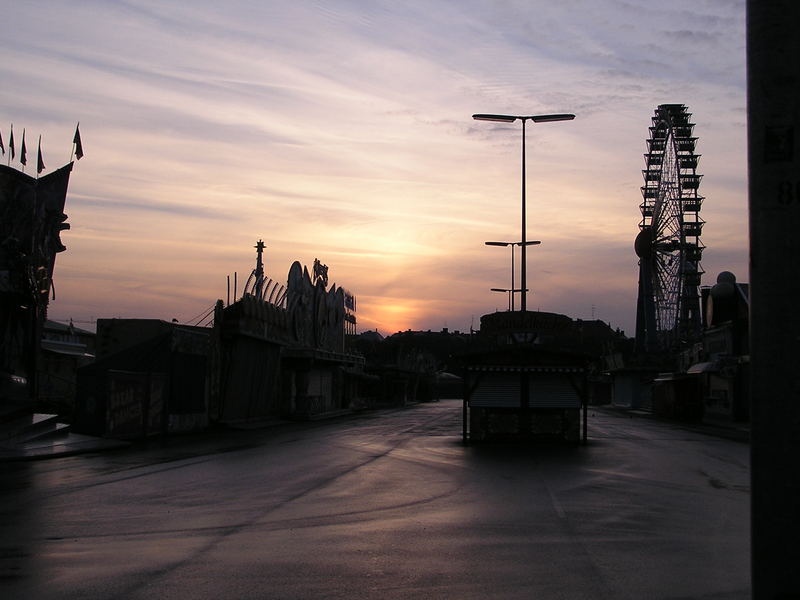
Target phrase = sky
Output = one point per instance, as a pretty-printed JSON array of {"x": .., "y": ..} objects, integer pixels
[{"x": 342, "y": 130}]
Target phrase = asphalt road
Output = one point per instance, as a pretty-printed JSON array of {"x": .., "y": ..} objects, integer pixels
[{"x": 384, "y": 505}]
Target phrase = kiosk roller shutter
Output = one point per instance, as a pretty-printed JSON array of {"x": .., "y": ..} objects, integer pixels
[
  {"x": 496, "y": 390},
  {"x": 552, "y": 391}
]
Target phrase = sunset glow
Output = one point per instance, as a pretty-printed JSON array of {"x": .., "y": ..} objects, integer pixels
[{"x": 342, "y": 131}]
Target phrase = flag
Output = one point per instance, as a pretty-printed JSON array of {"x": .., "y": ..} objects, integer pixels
[
  {"x": 23, "y": 153},
  {"x": 11, "y": 142},
  {"x": 2, "y": 147},
  {"x": 77, "y": 141},
  {"x": 39, "y": 160}
]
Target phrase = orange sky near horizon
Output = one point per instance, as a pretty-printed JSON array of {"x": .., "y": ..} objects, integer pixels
[{"x": 343, "y": 131}]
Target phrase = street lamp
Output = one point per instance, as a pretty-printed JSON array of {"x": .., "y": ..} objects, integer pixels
[
  {"x": 512, "y": 244},
  {"x": 507, "y": 291},
  {"x": 523, "y": 118},
  {"x": 510, "y": 293}
]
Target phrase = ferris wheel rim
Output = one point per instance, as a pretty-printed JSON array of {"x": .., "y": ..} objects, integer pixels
[{"x": 670, "y": 210}]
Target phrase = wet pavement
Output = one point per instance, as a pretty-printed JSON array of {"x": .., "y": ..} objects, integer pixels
[{"x": 387, "y": 504}]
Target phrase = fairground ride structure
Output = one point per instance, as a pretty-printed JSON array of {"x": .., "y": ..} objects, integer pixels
[{"x": 668, "y": 244}]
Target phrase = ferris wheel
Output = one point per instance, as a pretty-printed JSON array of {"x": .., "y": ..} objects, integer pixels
[{"x": 668, "y": 244}]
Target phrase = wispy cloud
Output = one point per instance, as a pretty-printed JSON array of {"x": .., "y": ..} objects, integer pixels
[{"x": 342, "y": 130}]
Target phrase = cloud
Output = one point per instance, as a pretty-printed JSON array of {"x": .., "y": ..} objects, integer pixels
[{"x": 343, "y": 130}]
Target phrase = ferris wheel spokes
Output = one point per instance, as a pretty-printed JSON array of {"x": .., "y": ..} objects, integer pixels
[{"x": 668, "y": 244}]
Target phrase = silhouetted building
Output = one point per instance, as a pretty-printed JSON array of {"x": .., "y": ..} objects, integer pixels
[
  {"x": 283, "y": 354},
  {"x": 31, "y": 220},
  {"x": 723, "y": 365},
  {"x": 709, "y": 379},
  {"x": 150, "y": 378},
  {"x": 414, "y": 366},
  {"x": 277, "y": 351},
  {"x": 530, "y": 375},
  {"x": 64, "y": 349}
]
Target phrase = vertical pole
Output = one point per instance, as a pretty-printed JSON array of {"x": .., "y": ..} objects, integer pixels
[
  {"x": 523, "y": 245},
  {"x": 72, "y": 152},
  {"x": 259, "y": 272},
  {"x": 512, "y": 277},
  {"x": 773, "y": 104}
]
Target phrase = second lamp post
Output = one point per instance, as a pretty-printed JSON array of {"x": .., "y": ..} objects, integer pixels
[{"x": 512, "y": 291}]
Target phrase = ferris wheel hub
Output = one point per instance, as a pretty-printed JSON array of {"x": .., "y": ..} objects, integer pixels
[{"x": 644, "y": 243}]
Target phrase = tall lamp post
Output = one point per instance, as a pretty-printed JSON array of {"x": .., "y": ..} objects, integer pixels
[
  {"x": 523, "y": 118},
  {"x": 512, "y": 291}
]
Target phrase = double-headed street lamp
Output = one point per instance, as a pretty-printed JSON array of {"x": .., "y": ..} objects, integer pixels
[
  {"x": 506, "y": 291},
  {"x": 523, "y": 118},
  {"x": 512, "y": 291}
]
